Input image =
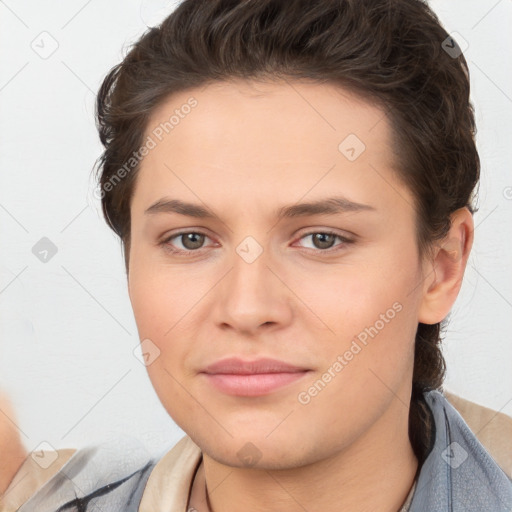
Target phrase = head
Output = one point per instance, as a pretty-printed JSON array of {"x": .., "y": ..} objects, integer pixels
[{"x": 247, "y": 110}]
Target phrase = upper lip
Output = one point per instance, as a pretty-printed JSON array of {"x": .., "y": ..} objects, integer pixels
[{"x": 237, "y": 366}]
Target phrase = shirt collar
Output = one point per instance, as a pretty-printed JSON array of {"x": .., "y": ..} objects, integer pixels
[{"x": 458, "y": 475}]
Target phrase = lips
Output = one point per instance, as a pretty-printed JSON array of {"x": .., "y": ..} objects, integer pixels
[
  {"x": 237, "y": 377},
  {"x": 237, "y": 366}
]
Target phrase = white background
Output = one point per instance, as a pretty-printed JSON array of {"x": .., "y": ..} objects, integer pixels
[{"x": 67, "y": 332}]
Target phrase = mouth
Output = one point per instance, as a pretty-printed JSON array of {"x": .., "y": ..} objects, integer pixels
[{"x": 234, "y": 376}]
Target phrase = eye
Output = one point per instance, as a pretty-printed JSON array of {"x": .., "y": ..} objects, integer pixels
[
  {"x": 190, "y": 241},
  {"x": 324, "y": 240}
]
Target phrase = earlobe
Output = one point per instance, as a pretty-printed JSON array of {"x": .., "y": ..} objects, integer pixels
[{"x": 447, "y": 269}]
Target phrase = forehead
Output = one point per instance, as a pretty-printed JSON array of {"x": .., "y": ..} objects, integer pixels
[
  {"x": 295, "y": 111},
  {"x": 270, "y": 135}
]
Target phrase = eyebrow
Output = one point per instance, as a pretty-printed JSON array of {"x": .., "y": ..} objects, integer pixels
[{"x": 327, "y": 206}]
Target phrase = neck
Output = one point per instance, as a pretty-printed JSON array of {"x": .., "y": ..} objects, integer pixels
[{"x": 374, "y": 473}]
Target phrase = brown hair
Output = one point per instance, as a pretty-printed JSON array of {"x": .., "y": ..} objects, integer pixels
[{"x": 390, "y": 52}]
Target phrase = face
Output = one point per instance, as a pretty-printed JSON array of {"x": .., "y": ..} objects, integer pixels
[{"x": 297, "y": 244}]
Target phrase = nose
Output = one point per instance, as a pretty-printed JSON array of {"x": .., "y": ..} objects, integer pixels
[{"x": 253, "y": 296}]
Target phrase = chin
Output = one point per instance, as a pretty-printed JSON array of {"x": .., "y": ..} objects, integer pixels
[{"x": 251, "y": 449}]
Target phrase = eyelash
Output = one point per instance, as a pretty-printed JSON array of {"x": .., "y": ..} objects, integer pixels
[{"x": 190, "y": 252}]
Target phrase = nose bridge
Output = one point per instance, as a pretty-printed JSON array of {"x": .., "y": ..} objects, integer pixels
[
  {"x": 250, "y": 274},
  {"x": 251, "y": 294}
]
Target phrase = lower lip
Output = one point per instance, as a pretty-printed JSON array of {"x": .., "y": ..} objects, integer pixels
[{"x": 252, "y": 385}]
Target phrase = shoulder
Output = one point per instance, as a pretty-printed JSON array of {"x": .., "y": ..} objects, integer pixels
[
  {"x": 492, "y": 428},
  {"x": 38, "y": 467},
  {"x": 103, "y": 474},
  {"x": 458, "y": 474}
]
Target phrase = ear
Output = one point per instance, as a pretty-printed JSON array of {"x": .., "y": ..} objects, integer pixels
[{"x": 445, "y": 270}]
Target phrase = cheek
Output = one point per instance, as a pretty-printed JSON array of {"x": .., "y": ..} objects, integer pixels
[
  {"x": 158, "y": 308},
  {"x": 159, "y": 299},
  {"x": 371, "y": 312},
  {"x": 367, "y": 364},
  {"x": 348, "y": 299},
  {"x": 164, "y": 304}
]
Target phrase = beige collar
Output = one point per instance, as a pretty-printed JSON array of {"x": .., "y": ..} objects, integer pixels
[{"x": 168, "y": 486}]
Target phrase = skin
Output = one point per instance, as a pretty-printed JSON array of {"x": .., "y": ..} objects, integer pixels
[
  {"x": 12, "y": 451},
  {"x": 244, "y": 151}
]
